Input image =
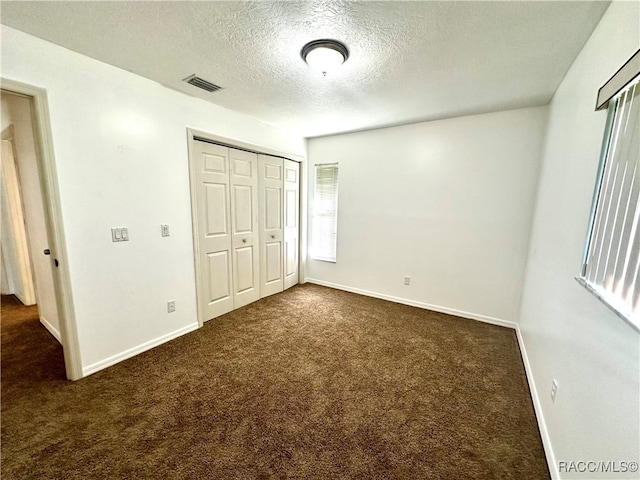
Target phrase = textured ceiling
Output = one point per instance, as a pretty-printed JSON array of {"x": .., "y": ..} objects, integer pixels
[{"x": 409, "y": 61}]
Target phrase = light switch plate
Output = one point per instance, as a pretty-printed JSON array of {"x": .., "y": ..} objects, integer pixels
[
  {"x": 119, "y": 234},
  {"x": 165, "y": 230}
]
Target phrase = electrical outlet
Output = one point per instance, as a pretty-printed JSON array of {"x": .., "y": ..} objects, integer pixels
[
  {"x": 407, "y": 280},
  {"x": 554, "y": 390},
  {"x": 171, "y": 306}
]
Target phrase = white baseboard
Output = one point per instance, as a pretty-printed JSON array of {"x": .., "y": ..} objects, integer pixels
[
  {"x": 544, "y": 434},
  {"x": 107, "y": 362},
  {"x": 414, "y": 303},
  {"x": 537, "y": 406},
  {"x": 52, "y": 330}
]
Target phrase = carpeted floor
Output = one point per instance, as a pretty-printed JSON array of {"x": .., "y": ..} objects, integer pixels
[{"x": 313, "y": 383}]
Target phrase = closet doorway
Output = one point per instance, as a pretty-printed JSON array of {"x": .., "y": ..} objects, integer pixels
[{"x": 245, "y": 205}]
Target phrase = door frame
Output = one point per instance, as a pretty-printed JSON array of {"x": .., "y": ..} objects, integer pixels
[
  {"x": 53, "y": 218},
  {"x": 192, "y": 135}
]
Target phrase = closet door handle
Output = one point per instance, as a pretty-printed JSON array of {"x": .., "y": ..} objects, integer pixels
[
  {"x": 244, "y": 240},
  {"x": 47, "y": 252},
  {"x": 273, "y": 236}
]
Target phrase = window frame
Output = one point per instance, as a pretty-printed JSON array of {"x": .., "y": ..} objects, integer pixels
[
  {"x": 612, "y": 103},
  {"x": 315, "y": 214}
]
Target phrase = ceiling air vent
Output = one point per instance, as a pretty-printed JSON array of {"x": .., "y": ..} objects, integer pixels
[{"x": 203, "y": 84}]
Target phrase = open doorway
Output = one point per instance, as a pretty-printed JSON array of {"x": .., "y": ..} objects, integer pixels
[
  {"x": 26, "y": 268},
  {"x": 34, "y": 272}
]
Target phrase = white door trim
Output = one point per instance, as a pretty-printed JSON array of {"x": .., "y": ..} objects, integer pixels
[
  {"x": 53, "y": 218},
  {"x": 192, "y": 134}
]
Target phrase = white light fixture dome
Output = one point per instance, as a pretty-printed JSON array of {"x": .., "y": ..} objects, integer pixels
[{"x": 324, "y": 55}]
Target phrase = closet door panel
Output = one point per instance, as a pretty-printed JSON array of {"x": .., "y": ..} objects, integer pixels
[
  {"x": 292, "y": 224},
  {"x": 214, "y": 233},
  {"x": 245, "y": 235},
  {"x": 271, "y": 176},
  {"x": 243, "y": 218},
  {"x": 244, "y": 268},
  {"x": 273, "y": 262},
  {"x": 218, "y": 271}
]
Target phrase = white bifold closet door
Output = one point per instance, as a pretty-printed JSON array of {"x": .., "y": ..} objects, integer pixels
[
  {"x": 227, "y": 216},
  {"x": 270, "y": 177},
  {"x": 291, "y": 222},
  {"x": 245, "y": 233},
  {"x": 279, "y": 185}
]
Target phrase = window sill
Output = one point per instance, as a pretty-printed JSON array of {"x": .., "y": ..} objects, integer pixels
[
  {"x": 597, "y": 294},
  {"x": 320, "y": 259}
]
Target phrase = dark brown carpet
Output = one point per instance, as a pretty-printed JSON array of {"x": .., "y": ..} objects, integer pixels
[{"x": 311, "y": 383}]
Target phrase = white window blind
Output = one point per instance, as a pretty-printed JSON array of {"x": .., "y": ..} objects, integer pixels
[
  {"x": 612, "y": 260},
  {"x": 324, "y": 222}
]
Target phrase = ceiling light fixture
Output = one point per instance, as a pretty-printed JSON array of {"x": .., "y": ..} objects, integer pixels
[{"x": 324, "y": 55}]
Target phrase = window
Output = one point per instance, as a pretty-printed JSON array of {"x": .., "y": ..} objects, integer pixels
[
  {"x": 611, "y": 261},
  {"x": 324, "y": 220}
]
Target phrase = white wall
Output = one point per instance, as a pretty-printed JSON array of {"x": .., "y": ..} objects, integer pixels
[
  {"x": 17, "y": 110},
  {"x": 16, "y": 268},
  {"x": 121, "y": 152},
  {"x": 5, "y": 288},
  {"x": 568, "y": 334},
  {"x": 11, "y": 278},
  {"x": 448, "y": 203}
]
